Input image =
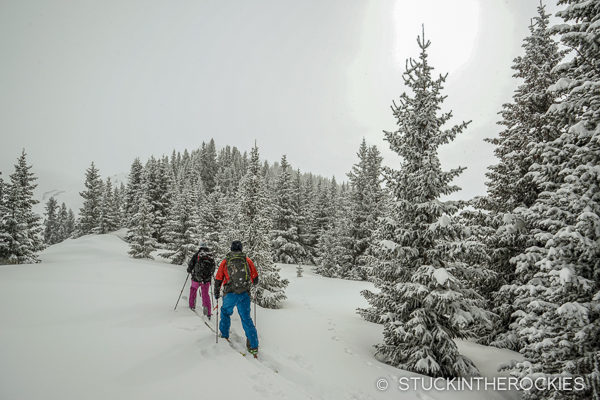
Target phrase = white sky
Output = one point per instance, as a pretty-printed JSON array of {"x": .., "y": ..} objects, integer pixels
[{"x": 111, "y": 80}]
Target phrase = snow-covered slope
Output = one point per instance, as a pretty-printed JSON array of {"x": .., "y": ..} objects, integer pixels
[{"x": 91, "y": 323}]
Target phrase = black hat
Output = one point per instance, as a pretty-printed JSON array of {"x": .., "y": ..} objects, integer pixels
[{"x": 236, "y": 245}]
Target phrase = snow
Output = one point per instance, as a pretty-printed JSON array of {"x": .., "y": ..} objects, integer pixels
[
  {"x": 560, "y": 85},
  {"x": 580, "y": 130},
  {"x": 441, "y": 275},
  {"x": 90, "y": 322},
  {"x": 388, "y": 245},
  {"x": 444, "y": 221},
  {"x": 573, "y": 309},
  {"x": 508, "y": 218},
  {"x": 565, "y": 275},
  {"x": 594, "y": 25}
]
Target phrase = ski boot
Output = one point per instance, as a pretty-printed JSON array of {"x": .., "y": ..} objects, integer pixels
[{"x": 254, "y": 352}]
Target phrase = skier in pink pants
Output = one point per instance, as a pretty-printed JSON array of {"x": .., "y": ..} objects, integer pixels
[{"x": 202, "y": 267}]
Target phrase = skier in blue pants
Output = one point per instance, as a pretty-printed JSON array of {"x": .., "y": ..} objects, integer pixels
[{"x": 237, "y": 274}]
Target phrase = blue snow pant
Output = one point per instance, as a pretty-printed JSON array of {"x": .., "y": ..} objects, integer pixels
[{"x": 242, "y": 301}]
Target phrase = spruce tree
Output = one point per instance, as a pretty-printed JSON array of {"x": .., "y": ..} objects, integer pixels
[
  {"x": 182, "y": 231},
  {"x": 63, "y": 221},
  {"x": 4, "y": 238},
  {"x": 134, "y": 184},
  {"x": 308, "y": 231},
  {"x": 213, "y": 222},
  {"x": 285, "y": 238},
  {"x": 303, "y": 254},
  {"x": 89, "y": 214},
  {"x": 328, "y": 249},
  {"x": 335, "y": 256},
  {"x": 424, "y": 302},
  {"x": 119, "y": 202},
  {"x": 108, "y": 211},
  {"x": 1, "y": 189},
  {"x": 21, "y": 239},
  {"x": 324, "y": 210},
  {"x": 360, "y": 209},
  {"x": 229, "y": 229},
  {"x": 70, "y": 224},
  {"x": 159, "y": 183},
  {"x": 209, "y": 168},
  {"x": 254, "y": 224},
  {"x": 335, "y": 242},
  {"x": 365, "y": 208},
  {"x": 510, "y": 186},
  {"x": 140, "y": 234},
  {"x": 557, "y": 288},
  {"x": 52, "y": 222}
]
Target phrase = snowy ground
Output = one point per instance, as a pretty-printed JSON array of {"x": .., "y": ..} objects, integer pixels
[{"x": 91, "y": 323}]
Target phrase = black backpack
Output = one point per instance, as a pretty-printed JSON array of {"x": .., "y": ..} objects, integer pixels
[
  {"x": 204, "y": 267},
  {"x": 239, "y": 273}
]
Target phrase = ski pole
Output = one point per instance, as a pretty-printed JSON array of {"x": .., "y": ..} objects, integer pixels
[
  {"x": 184, "y": 283},
  {"x": 255, "y": 290},
  {"x": 217, "y": 323},
  {"x": 212, "y": 294}
]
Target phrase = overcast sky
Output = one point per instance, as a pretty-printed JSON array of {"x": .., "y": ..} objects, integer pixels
[{"x": 108, "y": 81}]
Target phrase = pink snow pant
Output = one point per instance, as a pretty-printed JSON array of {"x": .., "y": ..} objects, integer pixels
[{"x": 205, "y": 296}]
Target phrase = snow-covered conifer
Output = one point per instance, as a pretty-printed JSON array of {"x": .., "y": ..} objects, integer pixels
[
  {"x": 424, "y": 302},
  {"x": 335, "y": 256},
  {"x": 3, "y": 213},
  {"x": 182, "y": 230},
  {"x": 285, "y": 238},
  {"x": 71, "y": 223},
  {"x": 212, "y": 221},
  {"x": 108, "y": 211},
  {"x": 510, "y": 186},
  {"x": 63, "y": 220},
  {"x": 89, "y": 214},
  {"x": 365, "y": 208},
  {"x": 133, "y": 190},
  {"x": 557, "y": 286},
  {"x": 52, "y": 222},
  {"x": 20, "y": 228},
  {"x": 140, "y": 234},
  {"x": 209, "y": 170},
  {"x": 161, "y": 193},
  {"x": 324, "y": 210},
  {"x": 254, "y": 224},
  {"x": 119, "y": 204},
  {"x": 308, "y": 225}
]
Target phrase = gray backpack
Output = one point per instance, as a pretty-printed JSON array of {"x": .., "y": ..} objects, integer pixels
[{"x": 239, "y": 273}]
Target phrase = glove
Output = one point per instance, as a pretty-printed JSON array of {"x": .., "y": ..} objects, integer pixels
[
  {"x": 217, "y": 294},
  {"x": 255, "y": 282}
]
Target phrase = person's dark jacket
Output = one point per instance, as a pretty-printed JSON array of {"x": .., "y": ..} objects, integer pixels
[{"x": 202, "y": 265}]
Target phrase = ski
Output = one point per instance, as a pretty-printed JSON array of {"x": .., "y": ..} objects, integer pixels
[
  {"x": 203, "y": 320},
  {"x": 236, "y": 347},
  {"x": 233, "y": 346}
]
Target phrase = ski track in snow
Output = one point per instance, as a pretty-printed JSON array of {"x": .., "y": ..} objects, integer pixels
[{"x": 91, "y": 323}]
